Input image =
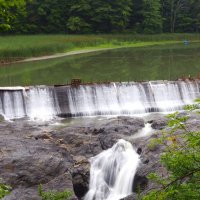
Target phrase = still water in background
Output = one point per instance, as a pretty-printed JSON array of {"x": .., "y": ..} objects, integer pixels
[{"x": 166, "y": 62}]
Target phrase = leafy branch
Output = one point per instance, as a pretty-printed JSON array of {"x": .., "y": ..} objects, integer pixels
[{"x": 181, "y": 158}]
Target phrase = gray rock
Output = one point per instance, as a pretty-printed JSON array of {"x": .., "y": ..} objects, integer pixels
[
  {"x": 60, "y": 183},
  {"x": 159, "y": 124},
  {"x": 149, "y": 163},
  {"x": 122, "y": 125},
  {"x": 108, "y": 140},
  {"x": 58, "y": 158},
  {"x": 80, "y": 177},
  {"x": 23, "y": 194},
  {"x": 26, "y": 161},
  {"x": 131, "y": 197}
]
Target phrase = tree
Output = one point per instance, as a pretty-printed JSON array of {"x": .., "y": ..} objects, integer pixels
[
  {"x": 80, "y": 15},
  {"x": 10, "y": 12},
  {"x": 100, "y": 15},
  {"x": 46, "y": 16},
  {"x": 182, "y": 160},
  {"x": 77, "y": 25},
  {"x": 151, "y": 14},
  {"x": 193, "y": 19},
  {"x": 171, "y": 10}
]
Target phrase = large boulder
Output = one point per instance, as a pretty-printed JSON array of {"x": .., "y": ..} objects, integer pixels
[
  {"x": 110, "y": 132},
  {"x": 158, "y": 121},
  {"x": 59, "y": 184},
  {"x": 27, "y": 160},
  {"x": 121, "y": 125},
  {"x": 149, "y": 156},
  {"x": 80, "y": 176}
]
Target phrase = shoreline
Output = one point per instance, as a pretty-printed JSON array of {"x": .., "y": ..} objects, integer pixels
[{"x": 91, "y": 50}]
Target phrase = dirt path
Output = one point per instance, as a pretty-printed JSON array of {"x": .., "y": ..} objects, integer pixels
[
  {"x": 76, "y": 52},
  {"x": 59, "y": 55}
]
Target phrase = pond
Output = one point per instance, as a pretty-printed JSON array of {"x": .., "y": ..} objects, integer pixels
[{"x": 164, "y": 62}]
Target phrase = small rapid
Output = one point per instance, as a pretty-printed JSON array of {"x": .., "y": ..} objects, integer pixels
[{"x": 112, "y": 172}]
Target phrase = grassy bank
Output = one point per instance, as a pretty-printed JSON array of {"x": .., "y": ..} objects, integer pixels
[{"x": 20, "y": 47}]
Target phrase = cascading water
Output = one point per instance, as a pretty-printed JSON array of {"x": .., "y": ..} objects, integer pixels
[
  {"x": 131, "y": 98},
  {"x": 98, "y": 99},
  {"x": 36, "y": 103},
  {"x": 112, "y": 172},
  {"x": 12, "y": 104},
  {"x": 41, "y": 103}
]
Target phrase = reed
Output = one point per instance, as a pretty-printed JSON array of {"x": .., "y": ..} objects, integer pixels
[{"x": 21, "y": 47}]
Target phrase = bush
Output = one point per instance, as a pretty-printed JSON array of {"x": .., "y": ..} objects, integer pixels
[
  {"x": 53, "y": 195},
  {"x": 182, "y": 160},
  {"x": 4, "y": 189}
]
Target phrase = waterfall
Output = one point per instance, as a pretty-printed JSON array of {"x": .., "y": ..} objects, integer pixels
[
  {"x": 11, "y": 104},
  {"x": 43, "y": 102},
  {"x": 35, "y": 103},
  {"x": 131, "y": 98},
  {"x": 112, "y": 172}
]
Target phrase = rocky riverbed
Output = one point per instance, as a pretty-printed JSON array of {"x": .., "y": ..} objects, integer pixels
[{"x": 57, "y": 156}]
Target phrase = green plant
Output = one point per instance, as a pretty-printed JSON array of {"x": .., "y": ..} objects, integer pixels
[
  {"x": 181, "y": 159},
  {"x": 53, "y": 195},
  {"x": 4, "y": 189}
]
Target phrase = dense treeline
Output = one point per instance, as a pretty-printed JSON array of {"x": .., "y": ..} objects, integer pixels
[{"x": 99, "y": 16}]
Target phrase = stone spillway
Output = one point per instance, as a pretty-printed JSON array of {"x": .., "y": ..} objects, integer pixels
[{"x": 44, "y": 102}]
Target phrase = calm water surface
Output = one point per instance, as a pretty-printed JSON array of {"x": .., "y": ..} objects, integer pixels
[{"x": 135, "y": 64}]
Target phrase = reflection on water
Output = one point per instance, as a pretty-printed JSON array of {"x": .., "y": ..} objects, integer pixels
[{"x": 136, "y": 64}]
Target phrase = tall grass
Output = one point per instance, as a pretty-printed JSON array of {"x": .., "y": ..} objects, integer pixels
[{"x": 20, "y": 47}]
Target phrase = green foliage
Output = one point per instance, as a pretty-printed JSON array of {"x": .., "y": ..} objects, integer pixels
[
  {"x": 151, "y": 13},
  {"x": 100, "y": 16},
  {"x": 181, "y": 15},
  {"x": 53, "y": 195},
  {"x": 182, "y": 160},
  {"x": 4, "y": 190},
  {"x": 77, "y": 25},
  {"x": 11, "y": 12}
]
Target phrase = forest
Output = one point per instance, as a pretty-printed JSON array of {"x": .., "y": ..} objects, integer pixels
[{"x": 99, "y": 16}]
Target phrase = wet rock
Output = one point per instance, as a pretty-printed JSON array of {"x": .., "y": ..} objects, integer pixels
[
  {"x": 31, "y": 168},
  {"x": 80, "y": 178},
  {"x": 23, "y": 194},
  {"x": 123, "y": 126},
  {"x": 131, "y": 197},
  {"x": 108, "y": 140},
  {"x": 193, "y": 122},
  {"x": 149, "y": 157},
  {"x": 140, "y": 183},
  {"x": 98, "y": 131},
  {"x": 25, "y": 162},
  {"x": 139, "y": 150},
  {"x": 59, "y": 184},
  {"x": 159, "y": 124},
  {"x": 77, "y": 142},
  {"x": 59, "y": 158},
  {"x": 158, "y": 121}
]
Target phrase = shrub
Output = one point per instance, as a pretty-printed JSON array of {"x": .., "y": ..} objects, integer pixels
[
  {"x": 182, "y": 160},
  {"x": 53, "y": 195},
  {"x": 4, "y": 189}
]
